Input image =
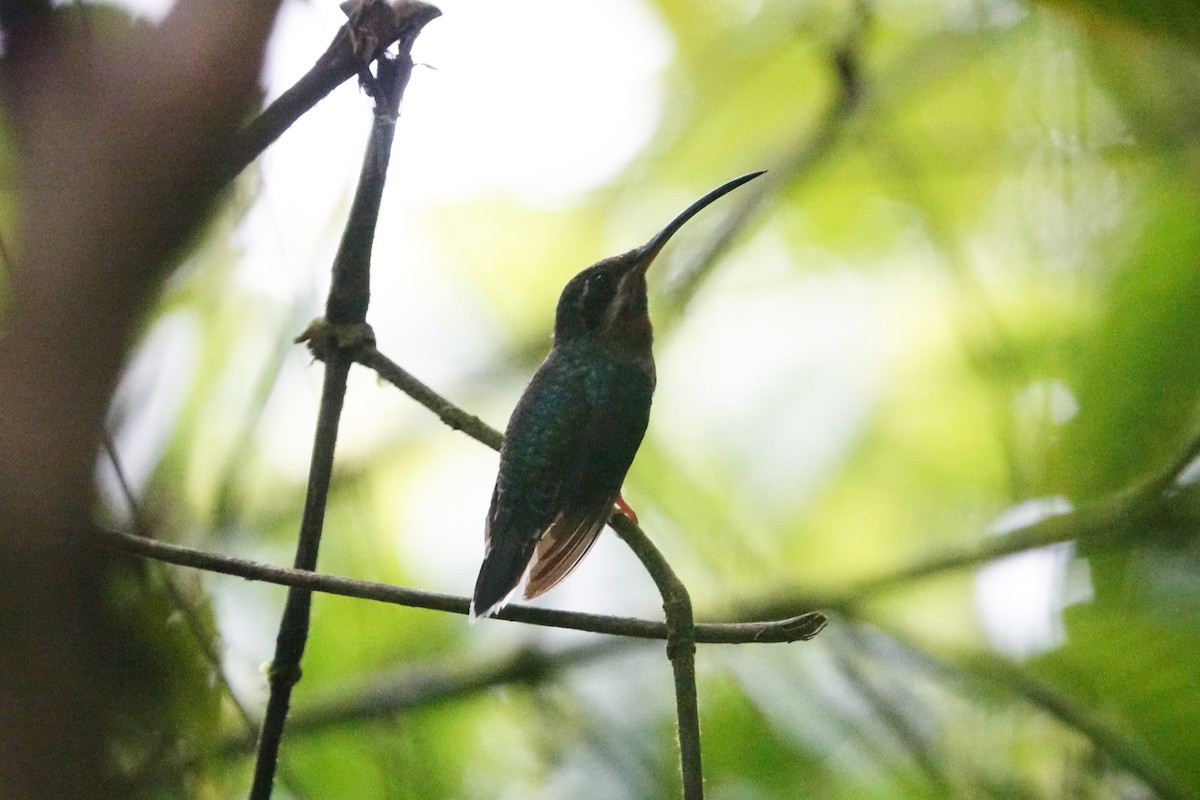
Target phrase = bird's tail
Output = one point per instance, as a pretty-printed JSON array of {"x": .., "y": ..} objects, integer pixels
[{"x": 499, "y": 575}]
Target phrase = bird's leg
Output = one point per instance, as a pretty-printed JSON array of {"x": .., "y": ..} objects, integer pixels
[{"x": 625, "y": 508}]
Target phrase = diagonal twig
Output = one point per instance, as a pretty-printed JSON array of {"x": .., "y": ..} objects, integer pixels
[
  {"x": 421, "y": 685},
  {"x": 451, "y": 415},
  {"x": 372, "y": 28},
  {"x": 992, "y": 670}
]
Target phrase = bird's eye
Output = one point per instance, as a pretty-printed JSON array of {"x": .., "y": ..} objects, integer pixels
[{"x": 598, "y": 290}]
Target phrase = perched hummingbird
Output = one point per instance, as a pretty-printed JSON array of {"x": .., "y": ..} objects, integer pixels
[{"x": 576, "y": 428}]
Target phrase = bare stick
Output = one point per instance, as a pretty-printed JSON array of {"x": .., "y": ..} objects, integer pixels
[
  {"x": 792, "y": 629},
  {"x": 451, "y": 415},
  {"x": 681, "y": 649},
  {"x": 372, "y": 27},
  {"x": 293, "y": 629},
  {"x": 345, "y": 310}
]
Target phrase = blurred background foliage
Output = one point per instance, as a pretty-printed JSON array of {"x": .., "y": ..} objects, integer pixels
[{"x": 963, "y": 301}]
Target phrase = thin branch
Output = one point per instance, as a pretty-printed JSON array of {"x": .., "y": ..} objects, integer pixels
[
  {"x": 1167, "y": 482},
  {"x": 451, "y": 415},
  {"x": 372, "y": 28},
  {"x": 1106, "y": 738},
  {"x": 890, "y": 710},
  {"x": 293, "y": 629},
  {"x": 793, "y": 629},
  {"x": 982, "y": 668},
  {"x": 1105, "y": 522},
  {"x": 681, "y": 649},
  {"x": 423, "y": 685},
  {"x": 1150, "y": 505},
  {"x": 350, "y": 289},
  {"x": 1155, "y": 504},
  {"x": 346, "y": 310}
]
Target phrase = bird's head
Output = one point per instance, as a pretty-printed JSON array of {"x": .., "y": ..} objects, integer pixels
[{"x": 607, "y": 301}]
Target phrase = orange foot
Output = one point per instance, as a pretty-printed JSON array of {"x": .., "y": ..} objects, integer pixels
[{"x": 625, "y": 509}]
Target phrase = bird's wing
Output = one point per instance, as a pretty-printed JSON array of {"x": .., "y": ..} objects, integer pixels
[
  {"x": 565, "y": 543},
  {"x": 601, "y": 454},
  {"x": 538, "y": 445}
]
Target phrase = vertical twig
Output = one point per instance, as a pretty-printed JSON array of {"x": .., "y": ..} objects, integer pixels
[
  {"x": 331, "y": 340},
  {"x": 681, "y": 650},
  {"x": 293, "y": 629}
]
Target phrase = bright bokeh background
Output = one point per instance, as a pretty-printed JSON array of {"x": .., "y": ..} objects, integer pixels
[{"x": 965, "y": 303}]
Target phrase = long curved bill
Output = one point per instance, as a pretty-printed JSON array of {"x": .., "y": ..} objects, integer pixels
[{"x": 647, "y": 252}]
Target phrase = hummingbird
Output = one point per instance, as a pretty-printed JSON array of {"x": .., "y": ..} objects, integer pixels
[{"x": 577, "y": 426}]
